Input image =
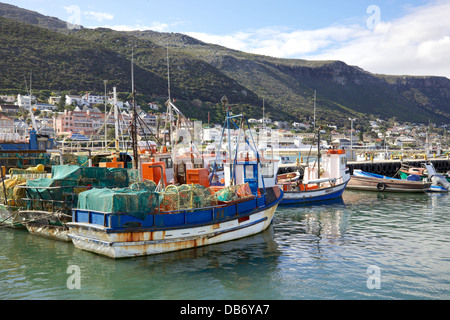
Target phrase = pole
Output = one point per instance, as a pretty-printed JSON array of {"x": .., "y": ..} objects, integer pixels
[
  {"x": 134, "y": 127},
  {"x": 314, "y": 110},
  {"x": 106, "y": 136},
  {"x": 116, "y": 119},
  {"x": 318, "y": 154}
]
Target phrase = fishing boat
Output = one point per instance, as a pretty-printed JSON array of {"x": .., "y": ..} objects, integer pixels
[
  {"x": 42, "y": 202},
  {"x": 439, "y": 182},
  {"x": 10, "y": 196},
  {"x": 142, "y": 220},
  {"x": 324, "y": 180},
  {"x": 361, "y": 180}
]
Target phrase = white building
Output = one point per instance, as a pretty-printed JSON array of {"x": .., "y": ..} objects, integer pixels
[
  {"x": 148, "y": 119},
  {"x": 211, "y": 134},
  {"x": 265, "y": 120},
  {"x": 44, "y": 106},
  {"x": 25, "y": 101},
  {"x": 300, "y": 125},
  {"x": 70, "y": 99},
  {"x": 341, "y": 143},
  {"x": 153, "y": 106},
  {"x": 54, "y": 100}
]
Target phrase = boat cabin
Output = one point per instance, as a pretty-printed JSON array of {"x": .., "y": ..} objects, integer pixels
[
  {"x": 333, "y": 167},
  {"x": 257, "y": 175}
]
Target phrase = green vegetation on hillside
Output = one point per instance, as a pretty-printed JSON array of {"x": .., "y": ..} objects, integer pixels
[{"x": 200, "y": 74}]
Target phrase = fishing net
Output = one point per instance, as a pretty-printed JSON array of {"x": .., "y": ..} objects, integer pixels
[
  {"x": 186, "y": 197},
  {"x": 13, "y": 192},
  {"x": 232, "y": 193},
  {"x": 144, "y": 197},
  {"x": 207, "y": 198},
  {"x": 61, "y": 191},
  {"x": 170, "y": 199},
  {"x": 12, "y": 187},
  {"x": 125, "y": 200}
]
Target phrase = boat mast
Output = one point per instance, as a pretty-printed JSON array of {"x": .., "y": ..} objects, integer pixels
[
  {"x": 224, "y": 101},
  {"x": 314, "y": 110},
  {"x": 318, "y": 153},
  {"x": 116, "y": 119},
  {"x": 134, "y": 124},
  {"x": 33, "y": 120},
  {"x": 106, "y": 131},
  {"x": 169, "y": 114}
]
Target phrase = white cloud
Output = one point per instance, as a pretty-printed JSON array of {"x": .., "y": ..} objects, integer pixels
[
  {"x": 99, "y": 16},
  {"x": 156, "y": 26},
  {"x": 416, "y": 44}
]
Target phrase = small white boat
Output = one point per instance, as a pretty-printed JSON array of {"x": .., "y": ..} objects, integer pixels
[{"x": 326, "y": 183}]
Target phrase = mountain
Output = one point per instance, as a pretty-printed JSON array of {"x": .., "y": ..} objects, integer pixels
[
  {"x": 31, "y": 17},
  {"x": 201, "y": 73}
]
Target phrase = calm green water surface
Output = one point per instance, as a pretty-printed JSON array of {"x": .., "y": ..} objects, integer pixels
[{"x": 368, "y": 246}]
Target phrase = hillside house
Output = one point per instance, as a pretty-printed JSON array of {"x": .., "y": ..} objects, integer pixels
[
  {"x": 54, "y": 100},
  {"x": 10, "y": 109},
  {"x": 73, "y": 100},
  {"x": 86, "y": 121},
  {"x": 298, "y": 125},
  {"x": 8, "y": 99},
  {"x": 25, "y": 101},
  {"x": 6, "y": 124}
]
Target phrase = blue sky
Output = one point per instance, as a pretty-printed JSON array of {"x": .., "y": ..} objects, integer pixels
[
  {"x": 391, "y": 36},
  {"x": 219, "y": 17}
]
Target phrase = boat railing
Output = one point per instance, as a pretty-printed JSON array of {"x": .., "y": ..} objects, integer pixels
[{"x": 167, "y": 219}]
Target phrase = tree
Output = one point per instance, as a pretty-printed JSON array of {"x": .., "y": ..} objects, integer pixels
[{"x": 62, "y": 102}]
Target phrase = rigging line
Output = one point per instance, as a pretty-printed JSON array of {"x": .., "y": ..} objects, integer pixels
[
  {"x": 143, "y": 124},
  {"x": 105, "y": 148},
  {"x": 45, "y": 214}
]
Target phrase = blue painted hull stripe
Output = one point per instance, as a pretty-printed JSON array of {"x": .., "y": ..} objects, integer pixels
[{"x": 329, "y": 196}]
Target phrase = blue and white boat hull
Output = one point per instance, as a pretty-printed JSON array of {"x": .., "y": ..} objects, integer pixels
[
  {"x": 119, "y": 236},
  {"x": 310, "y": 196}
]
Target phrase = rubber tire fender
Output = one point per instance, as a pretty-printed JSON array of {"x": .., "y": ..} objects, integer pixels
[{"x": 381, "y": 186}]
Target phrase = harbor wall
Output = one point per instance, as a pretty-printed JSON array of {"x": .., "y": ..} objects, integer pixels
[
  {"x": 387, "y": 168},
  {"x": 390, "y": 167}
]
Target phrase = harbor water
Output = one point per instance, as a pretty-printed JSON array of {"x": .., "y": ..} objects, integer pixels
[{"x": 368, "y": 246}]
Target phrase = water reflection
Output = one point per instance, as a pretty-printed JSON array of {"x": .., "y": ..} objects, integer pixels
[
  {"x": 326, "y": 221},
  {"x": 212, "y": 271},
  {"x": 318, "y": 251}
]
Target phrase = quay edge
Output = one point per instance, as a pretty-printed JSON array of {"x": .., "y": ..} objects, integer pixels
[{"x": 384, "y": 167}]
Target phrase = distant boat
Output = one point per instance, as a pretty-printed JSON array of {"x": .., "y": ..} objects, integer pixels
[
  {"x": 439, "y": 182},
  {"x": 361, "y": 180},
  {"x": 318, "y": 184}
]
